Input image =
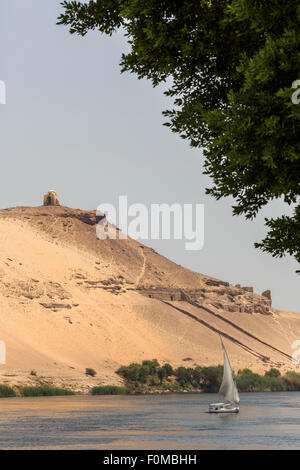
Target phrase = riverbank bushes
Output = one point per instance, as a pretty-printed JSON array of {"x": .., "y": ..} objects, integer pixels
[
  {"x": 44, "y": 391},
  {"x": 150, "y": 376},
  {"x": 110, "y": 390},
  {"x": 33, "y": 391},
  {"x": 271, "y": 381},
  {"x": 6, "y": 391}
]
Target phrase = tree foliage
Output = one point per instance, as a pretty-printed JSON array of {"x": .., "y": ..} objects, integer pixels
[{"x": 232, "y": 64}]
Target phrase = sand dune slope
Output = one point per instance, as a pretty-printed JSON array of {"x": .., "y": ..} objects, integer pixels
[{"x": 69, "y": 301}]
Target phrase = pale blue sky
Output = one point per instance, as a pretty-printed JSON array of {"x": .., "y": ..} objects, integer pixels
[{"x": 73, "y": 123}]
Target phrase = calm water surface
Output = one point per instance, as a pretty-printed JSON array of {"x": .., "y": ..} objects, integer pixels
[{"x": 266, "y": 421}]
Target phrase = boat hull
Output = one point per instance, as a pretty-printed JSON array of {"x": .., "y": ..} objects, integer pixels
[{"x": 225, "y": 408}]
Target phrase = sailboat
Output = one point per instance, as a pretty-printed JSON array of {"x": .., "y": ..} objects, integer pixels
[{"x": 228, "y": 389}]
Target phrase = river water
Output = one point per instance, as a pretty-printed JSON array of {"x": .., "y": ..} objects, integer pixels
[{"x": 266, "y": 421}]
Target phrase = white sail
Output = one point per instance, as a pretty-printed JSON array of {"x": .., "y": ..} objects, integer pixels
[{"x": 228, "y": 388}]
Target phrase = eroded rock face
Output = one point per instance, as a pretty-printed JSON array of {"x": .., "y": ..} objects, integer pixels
[{"x": 51, "y": 199}]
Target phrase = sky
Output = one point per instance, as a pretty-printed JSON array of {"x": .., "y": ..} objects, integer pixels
[{"x": 72, "y": 122}]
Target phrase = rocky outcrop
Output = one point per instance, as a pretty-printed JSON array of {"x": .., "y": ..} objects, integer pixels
[
  {"x": 217, "y": 283},
  {"x": 54, "y": 306}
]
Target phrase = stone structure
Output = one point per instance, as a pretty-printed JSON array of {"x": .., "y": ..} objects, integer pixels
[
  {"x": 51, "y": 199},
  {"x": 267, "y": 294},
  {"x": 221, "y": 296}
]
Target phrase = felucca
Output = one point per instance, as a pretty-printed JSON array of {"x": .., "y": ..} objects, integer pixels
[{"x": 228, "y": 389}]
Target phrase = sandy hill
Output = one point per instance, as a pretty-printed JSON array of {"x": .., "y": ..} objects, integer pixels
[{"x": 69, "y": 301}]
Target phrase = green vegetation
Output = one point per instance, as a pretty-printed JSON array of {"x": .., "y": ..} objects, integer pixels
[
  {"x": 44, "y": 391},
  {"x": 230, "y": 66},
  {"x": 292, "y": 381},
  {"x": 248, "y": 381},
  {"x": 151, "y": 377},
  {"x": 110, "y": 390},
  {"x": 6, "y": 391}
]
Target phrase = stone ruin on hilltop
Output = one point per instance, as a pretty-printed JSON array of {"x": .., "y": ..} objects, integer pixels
[{"x": 51, "y": 199}]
